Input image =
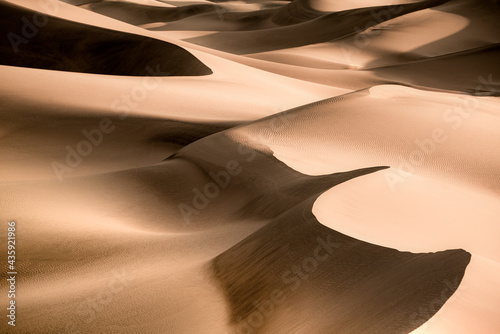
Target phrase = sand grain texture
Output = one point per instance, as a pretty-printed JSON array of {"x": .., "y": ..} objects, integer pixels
[{"x": 239, "y": 167}]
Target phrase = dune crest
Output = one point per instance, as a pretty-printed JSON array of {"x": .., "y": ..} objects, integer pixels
[
  {"x": 245, "y": 167},
  {"x": 33, "y": 40}
]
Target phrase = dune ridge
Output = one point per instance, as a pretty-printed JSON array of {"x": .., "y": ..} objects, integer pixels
[
  {"x": 238, "y": 167},
  {"x": 87, "y": 49}
]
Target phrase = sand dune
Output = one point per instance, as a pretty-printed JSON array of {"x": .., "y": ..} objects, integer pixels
[
  {"x": 274, "y": 167},
  {"x": 87, "y": 49},
  {"x": 136, "y": 212},
  {"x": 322, "y": 29},
  {"x": 338, "y": 283},
  {"x": 140, "y": 14}
]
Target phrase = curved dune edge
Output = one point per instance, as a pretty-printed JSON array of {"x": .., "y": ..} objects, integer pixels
[
  {"x": 409, "y": 225},
  {"x": 332, "y": 5},
  {"x": 325, "y": 28},
  {"x": 388, "y": 287},
  {"x": 251, "y": 286},
  {"x": 299, "y": 186},
  {"x": 137, "y": 194},
  {"x": 371, "y": 47},
  {"x": 87, "y": 49},
  {"x": 415, "y": 131},
  {"x": 139, "y": 14},
  {"x": 430, "y": 175},
  {"x": 473, "y": 307}
]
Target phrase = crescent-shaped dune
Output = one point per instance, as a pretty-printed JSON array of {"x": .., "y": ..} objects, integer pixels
[
  {"x": 87, "y": 49},
  {"x": 250, "y": 167}
]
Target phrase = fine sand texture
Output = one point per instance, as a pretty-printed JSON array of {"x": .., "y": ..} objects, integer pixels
[{"x": 250, "y": 167}]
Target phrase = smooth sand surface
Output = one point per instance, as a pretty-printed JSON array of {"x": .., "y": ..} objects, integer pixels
[{"x": 244, "y": 167}]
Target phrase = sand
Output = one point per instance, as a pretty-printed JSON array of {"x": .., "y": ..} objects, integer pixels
[{"x": 244, "y": 167}]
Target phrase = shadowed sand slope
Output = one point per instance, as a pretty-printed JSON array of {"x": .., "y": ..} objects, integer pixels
[
  {"x": 253, "y": 189},
  {"x": 203, "y": 16},
  {"x": 475, "y": 77},
  {"x": 268, "y": 193},
  {"x": 281, "y": 261},
  {"x": 140, "y": 14},
  {"x": 324, "y": 28},
  {"x": 349, "y": 278},
  {"x": 128, "y": 142},
  {"x": 251, "y": 167},
  {"x": 297, "y": 276},
  {"x": 35, "y": 40}
]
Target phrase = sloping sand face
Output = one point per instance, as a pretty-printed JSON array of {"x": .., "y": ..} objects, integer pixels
[
  {"x": 87, "y": 49},
  {"x": 322, "y": 280},
  {"x": 250, "y": 167},
  {"x": 156, "y": 210}
]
